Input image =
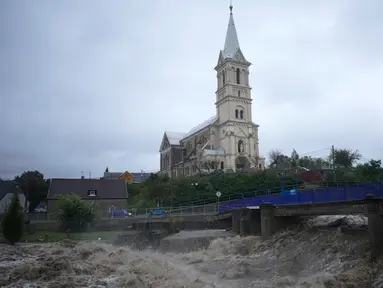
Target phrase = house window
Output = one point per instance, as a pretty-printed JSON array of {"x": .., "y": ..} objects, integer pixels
[
  {"x": 241, "y": 114},
  {"x": 238, "y": 75},
  {"x": 236, "y": 113},
  {"x": 222, "y": 165},
  {"x": 260, "y": 166},
  {"x": 92, "y": 193}
]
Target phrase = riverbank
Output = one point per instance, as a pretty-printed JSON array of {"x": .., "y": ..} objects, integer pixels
[{"x": 47, "y": 236}]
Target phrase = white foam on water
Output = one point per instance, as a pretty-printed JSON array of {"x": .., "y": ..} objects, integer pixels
[{"x": 298, "y": 257}]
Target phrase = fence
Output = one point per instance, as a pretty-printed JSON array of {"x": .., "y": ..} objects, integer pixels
[
  {"x": 311, "y": 196},
  {"x": 140, "y": 213},
  {"x": 262, "y": 191}
]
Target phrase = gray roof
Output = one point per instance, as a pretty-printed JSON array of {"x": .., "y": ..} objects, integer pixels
[
  {"x": 231, "y": 42},
  {"x": 174, "y": 138},
  {"x": 201, "y": 126},
  {"x": 140, "y": 177},
  {"x": 112, "y": 175},
  {"x": 106, "y": 189},
  {"x": 7, "y": 186}
]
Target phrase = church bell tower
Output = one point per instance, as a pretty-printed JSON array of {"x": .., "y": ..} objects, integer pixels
[{"x": 238, "y": 134}]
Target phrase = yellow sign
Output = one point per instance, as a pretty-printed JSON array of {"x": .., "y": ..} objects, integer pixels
[{"x": 127, "y": 177}]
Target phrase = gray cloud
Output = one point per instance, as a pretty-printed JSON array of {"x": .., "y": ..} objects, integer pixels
[{"x": 85, "y": 85}]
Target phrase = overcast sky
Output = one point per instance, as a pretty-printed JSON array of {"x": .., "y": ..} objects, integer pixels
[{"x": 89, "y": 84}]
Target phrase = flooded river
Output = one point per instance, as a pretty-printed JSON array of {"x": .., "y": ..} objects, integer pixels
[{"x": 304, "y": 256}]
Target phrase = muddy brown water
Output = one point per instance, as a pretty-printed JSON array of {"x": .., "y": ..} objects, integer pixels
[{"x": 303, "y": 256}]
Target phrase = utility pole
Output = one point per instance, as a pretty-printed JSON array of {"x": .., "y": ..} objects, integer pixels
[{"x": 333, "y": 162}]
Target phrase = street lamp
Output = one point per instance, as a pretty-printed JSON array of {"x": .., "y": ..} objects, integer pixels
[{"x": 218, "y": 194}]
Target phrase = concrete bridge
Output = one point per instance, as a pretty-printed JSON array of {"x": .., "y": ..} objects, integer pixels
[{"x": 267, "y": 218}]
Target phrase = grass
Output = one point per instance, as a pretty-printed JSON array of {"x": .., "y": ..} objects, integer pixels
[{"x": 46, "y": 236}]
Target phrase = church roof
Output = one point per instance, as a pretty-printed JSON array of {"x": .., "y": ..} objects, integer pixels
[
  {"x": 174, "y": 137},
  {"x": 231, "y": 42},
  {"x": 201, "y": 126}
]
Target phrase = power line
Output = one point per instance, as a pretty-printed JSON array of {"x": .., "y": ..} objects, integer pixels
[{"x": 316, "y": 152}]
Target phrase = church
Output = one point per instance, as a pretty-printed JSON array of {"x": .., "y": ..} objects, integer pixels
[{"x": 229, "y": 140}]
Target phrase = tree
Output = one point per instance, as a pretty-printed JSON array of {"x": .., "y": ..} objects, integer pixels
[
  {"x": 75, "y": 214},
  {"x": 34, "y": 186},
  {"x": 312, "y": 163},
  {"x": 294, "y": 158},
  {"x": 345, "y": 157},
  {"x": 275, "y": 156},
  {"x": 370, "y": 171},
  {"x": 210, "y": 166},
  {"x": 255, "y": 161},
  {"x": 13, "y": 221}
]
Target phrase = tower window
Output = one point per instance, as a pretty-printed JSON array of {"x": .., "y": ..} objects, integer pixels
[
  {"x": 222, "y": 165},
  {"x": 223, "y": 77},
  {"x": 241, "y": 114},
  {"x": 239, "y": 93},
  {"x": 238, "y": 75},
  {"x": 236, "y": 113}
]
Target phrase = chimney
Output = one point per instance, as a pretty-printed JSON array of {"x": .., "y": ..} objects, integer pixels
[{"x": 82, "y": 175}]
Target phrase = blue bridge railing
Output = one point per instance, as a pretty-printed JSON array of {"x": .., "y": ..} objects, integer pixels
[{"x": 311, "y": 196}]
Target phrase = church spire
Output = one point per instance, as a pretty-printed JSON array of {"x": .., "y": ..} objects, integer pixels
[{"x": 231, "y": 42}]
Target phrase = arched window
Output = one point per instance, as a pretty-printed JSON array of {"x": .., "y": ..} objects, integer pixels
[
  {"x": 222, "y": 165},
  {"x": 241, "y": 147},
  {"x": 223, "y": 77},
  {"x": 238, "y": 76},
  {"x": 241, "y": 114},
  {"x": 239, "y": 93},
  {"x": 166, "y": 162},
  {"x": 236, "y": 113}
]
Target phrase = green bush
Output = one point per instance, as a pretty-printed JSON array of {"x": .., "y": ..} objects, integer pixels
[
  {"x": 75, "y": 214},
  {"x": 13, "y": 221}
]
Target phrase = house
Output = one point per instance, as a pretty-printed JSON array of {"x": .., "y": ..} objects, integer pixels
[
  {"x": 230, "y": 137},
  {"x": 104, "y": 192},
  {"x": 7, "y": 188},
  {"x": 129, "y": 177}
]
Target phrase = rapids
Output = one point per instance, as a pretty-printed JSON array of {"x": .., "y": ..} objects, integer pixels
[{"x": 303, "y": 256}]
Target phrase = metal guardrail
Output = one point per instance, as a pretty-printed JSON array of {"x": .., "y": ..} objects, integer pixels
[
  {"x": 311, "y": 196},
  {"x": 139, "y": 213},
  {"x": 267, "y": 191}
]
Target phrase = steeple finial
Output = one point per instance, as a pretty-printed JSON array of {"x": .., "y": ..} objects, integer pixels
[{"x": 231, "y": 7}]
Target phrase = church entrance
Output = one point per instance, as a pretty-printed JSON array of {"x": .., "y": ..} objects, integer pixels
[{"x": 242, "y": 163}]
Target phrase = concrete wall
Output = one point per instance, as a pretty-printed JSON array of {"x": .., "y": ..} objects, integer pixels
[{"x": 123, "y": 224}]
